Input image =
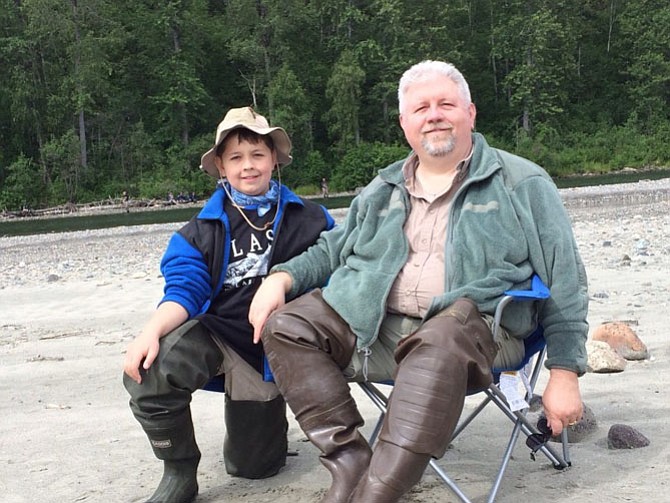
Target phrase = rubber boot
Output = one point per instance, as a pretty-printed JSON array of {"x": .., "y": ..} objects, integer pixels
[
  {"x": 307, "y": 345},
  {"x": 448, "y": 355},
  {"x": 255, "y": 444},
  {"x": 176, "y": 446}
]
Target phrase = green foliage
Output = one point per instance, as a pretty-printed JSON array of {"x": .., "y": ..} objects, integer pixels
[
  {"x": 307, "y": 190},
  {"x": 344, "y": 91},
  {"x": 292, "y": 110},
  {"x": 23, "y": 187},
  {"x": 61, "y": 158},
  {"x": 101, "y": 96},
  {"x": 360, "y": 164},
  {"x": 603, "y": 151}
]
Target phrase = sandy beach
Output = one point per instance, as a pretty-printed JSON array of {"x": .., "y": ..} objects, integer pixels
[{"x": 71, "y": 302}]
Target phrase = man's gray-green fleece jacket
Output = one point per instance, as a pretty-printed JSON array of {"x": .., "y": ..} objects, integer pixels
[{"x": 506, "y": 222}]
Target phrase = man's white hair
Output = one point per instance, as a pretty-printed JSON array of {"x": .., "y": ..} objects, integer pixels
[{"x": 428, "y": 68}]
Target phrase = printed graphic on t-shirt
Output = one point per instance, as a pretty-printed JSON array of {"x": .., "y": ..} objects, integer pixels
[
  {"x": 250, "y": 251},
  {"x": 243, "y": 271}
]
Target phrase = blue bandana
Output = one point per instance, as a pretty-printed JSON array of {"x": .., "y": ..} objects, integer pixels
[{"x": 263, "y": 202}]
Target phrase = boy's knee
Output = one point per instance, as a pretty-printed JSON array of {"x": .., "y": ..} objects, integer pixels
[{"x": 255, "y": 445}]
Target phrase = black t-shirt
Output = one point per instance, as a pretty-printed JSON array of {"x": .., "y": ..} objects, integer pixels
[{"x": 250, "y": 256}]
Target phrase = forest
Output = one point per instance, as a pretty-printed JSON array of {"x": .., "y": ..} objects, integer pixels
[{"x": 98, "y": 97}]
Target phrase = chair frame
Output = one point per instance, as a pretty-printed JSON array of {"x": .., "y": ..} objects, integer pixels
[{"x": 535, "y": 355}]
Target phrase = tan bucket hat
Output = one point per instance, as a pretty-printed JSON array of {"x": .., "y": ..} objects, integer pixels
[{"x": 247, "y": 118}]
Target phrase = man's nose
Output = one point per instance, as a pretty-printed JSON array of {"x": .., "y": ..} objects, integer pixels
[{"x": 435, "y": 114}]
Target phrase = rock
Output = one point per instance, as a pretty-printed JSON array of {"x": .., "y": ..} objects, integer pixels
[
  {"x": 602, "y": 359},
  {"x": 622, "y": 436},
  {"x": 584, "y": 427},
  {"x": 581, "y": 429},
  {"x": 535, "y": 403},
  {"x": 622, "y": 339},
  {"x": 51, "y": 278},
  {"x": 642, "y": 247}
]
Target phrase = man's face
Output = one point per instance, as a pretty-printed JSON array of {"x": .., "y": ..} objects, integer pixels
[{"x": 436, "y": 120}]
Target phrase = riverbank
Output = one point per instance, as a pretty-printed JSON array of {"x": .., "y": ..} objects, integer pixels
[{"x": 72, "y": 301}]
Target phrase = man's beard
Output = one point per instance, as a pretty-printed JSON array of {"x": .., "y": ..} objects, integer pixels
[{"x": 439, "y": 147}]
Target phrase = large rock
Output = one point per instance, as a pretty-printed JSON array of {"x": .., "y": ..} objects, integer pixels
[
  {"x": 621, "y": 339},
  {"x": 622, "y": 436},
  {"x": 602, "y": 359}
]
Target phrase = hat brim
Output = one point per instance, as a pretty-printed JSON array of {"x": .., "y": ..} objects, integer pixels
[{"x": 279, "y": 137}]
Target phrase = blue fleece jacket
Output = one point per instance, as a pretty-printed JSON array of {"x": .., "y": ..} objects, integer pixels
[{"x": 197, "y": 256}]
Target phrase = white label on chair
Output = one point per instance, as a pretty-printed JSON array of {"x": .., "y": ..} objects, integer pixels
[{"x": 509, "y": 385}]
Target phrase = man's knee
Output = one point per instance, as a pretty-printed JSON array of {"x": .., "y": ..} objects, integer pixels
[{"x": 309, "y": 323}]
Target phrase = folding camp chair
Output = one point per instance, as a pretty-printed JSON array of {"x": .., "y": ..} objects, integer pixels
[{"x": 535, "y": 353}]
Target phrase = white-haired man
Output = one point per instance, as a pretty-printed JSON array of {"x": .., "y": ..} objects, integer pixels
[{"x": 413, "y": 276}]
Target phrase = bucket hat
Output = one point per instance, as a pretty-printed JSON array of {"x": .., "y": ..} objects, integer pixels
[{"x": 247, "y": 118}]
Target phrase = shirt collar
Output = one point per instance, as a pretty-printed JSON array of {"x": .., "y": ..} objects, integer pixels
[{"x": 411, "y": 163}]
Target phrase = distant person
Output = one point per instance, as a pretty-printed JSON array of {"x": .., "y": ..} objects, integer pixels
[
  {"x": 412, "y": 279},
  {"x": 126, "y": 201},
  {"x": 170, "y": 198},
  {"x": 212, "y": 268},
  {"x": 324, "y": 188}
]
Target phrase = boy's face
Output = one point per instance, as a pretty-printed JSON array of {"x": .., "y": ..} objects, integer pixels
[{"x": 247, "y": 166}]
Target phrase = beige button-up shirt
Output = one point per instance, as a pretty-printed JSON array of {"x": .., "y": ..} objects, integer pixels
[{"x": 422, "y": 276}]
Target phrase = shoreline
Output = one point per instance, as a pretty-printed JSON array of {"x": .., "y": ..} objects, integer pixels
[
  {"x": 640, "y": 192},
  {"x": 116, "y": 205}
]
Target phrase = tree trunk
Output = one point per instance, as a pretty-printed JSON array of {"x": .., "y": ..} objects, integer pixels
[{"x": 83, "y": 157}]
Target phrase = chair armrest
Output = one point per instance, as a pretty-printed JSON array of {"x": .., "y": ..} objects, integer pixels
[{"x": 538, "y": 291}]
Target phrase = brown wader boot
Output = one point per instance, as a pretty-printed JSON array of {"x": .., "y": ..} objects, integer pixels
[
  {"x": 450, "y": 354},
  {"x": 307, "y": 345}
]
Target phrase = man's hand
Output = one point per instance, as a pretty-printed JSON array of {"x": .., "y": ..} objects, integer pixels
[
  {"x": 270, "y": 296},
  {"x": 141, "y": 351},
  {"x": 562, "y": 400}
]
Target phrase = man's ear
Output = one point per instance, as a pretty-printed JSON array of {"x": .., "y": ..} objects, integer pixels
[{"x": 473, "y": 115}]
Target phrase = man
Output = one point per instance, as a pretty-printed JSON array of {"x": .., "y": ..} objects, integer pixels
[{"x": 413, "y": 276}]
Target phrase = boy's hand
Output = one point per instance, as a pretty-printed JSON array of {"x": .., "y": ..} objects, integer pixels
[
  {"x": 142, "y": 351},
  {"x": 270, "y": 296},
  {"x": 562, "y": 400}
]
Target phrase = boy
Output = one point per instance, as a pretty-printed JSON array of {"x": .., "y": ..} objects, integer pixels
[{"x": 212, "y": 268}]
